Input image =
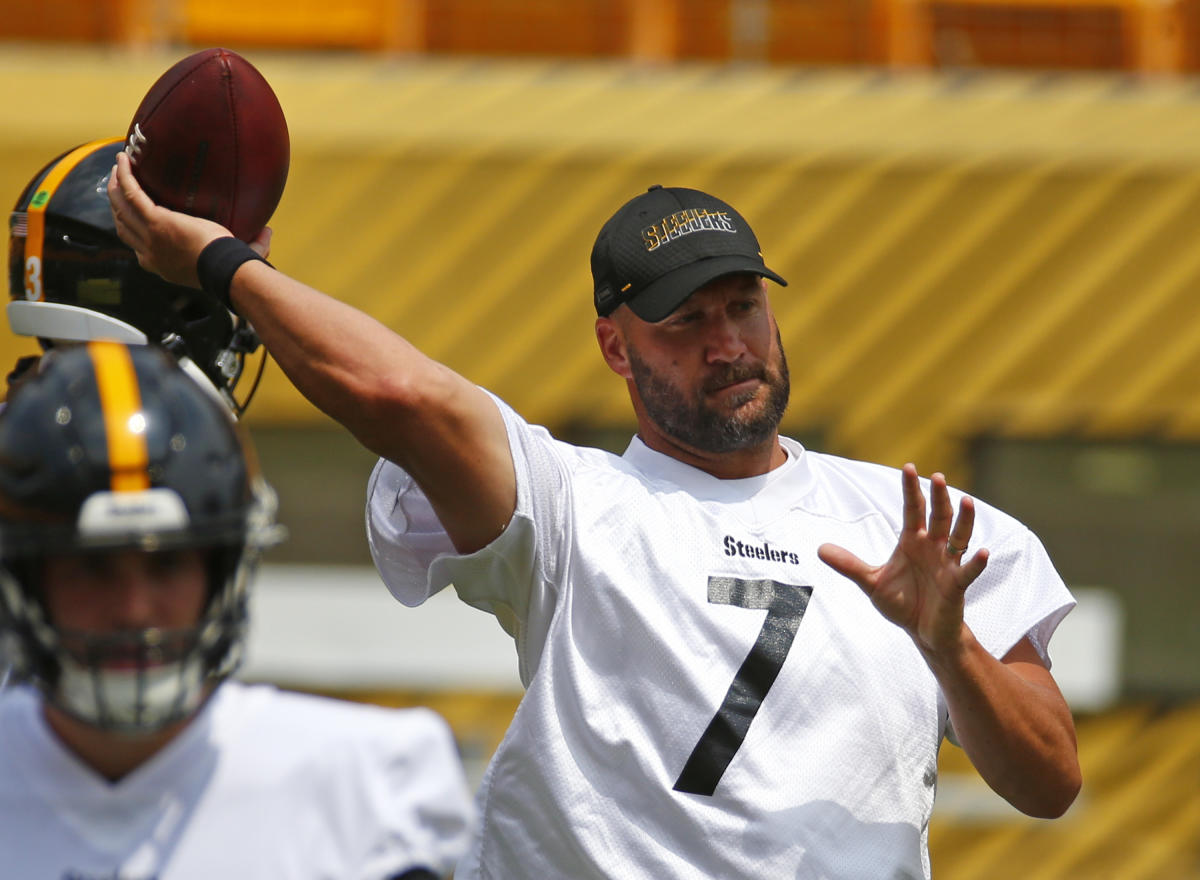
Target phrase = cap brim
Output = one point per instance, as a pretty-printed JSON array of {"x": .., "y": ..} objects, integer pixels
[{"x": 665, "y": 295}]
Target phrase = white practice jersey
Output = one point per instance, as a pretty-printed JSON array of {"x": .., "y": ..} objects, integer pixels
[
  {"x": 704, "y": 697},
  {"x": 262, "y": 785}
]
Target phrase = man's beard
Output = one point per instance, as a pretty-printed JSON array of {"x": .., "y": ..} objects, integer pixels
[{"x": 694, "y": 422}]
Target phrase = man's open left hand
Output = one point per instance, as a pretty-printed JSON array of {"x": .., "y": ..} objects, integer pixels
[{"x": 921, "y": 588}]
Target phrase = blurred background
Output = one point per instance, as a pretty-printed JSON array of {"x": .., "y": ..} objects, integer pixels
[{"x": 987, "y": 210}]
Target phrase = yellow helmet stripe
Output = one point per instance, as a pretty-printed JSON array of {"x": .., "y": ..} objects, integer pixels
[
  {"x": 124, "y": 423},
  {"x": 35, "y": 237}
]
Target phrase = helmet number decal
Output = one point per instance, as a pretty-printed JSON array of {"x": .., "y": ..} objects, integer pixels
[{"x": 33, "y": 278}]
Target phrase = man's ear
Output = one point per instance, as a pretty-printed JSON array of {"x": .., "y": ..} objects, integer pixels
[{"x": 612, "y": 346}]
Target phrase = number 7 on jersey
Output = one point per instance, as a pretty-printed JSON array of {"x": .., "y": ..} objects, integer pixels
[{"x": 785, "y": 605}]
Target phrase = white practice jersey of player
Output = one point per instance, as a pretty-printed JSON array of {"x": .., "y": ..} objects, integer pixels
[
  {"x": 704, "y": 697},
  {"x": 262, "y": 785}
]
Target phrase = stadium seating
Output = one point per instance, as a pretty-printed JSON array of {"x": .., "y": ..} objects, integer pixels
[{"x": 1142, "y": 35}]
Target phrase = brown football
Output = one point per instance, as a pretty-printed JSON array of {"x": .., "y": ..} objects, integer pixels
[{"x": 210, "y": 139}]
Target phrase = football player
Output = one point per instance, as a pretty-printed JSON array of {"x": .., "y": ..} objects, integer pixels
[
  {"x": 708, "y": 692},
  {"x": 132, "y": 517},
  {"x": 71, "y": 279}
]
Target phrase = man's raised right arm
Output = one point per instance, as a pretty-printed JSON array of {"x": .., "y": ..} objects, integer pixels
[{"x": 399, "y": 403}]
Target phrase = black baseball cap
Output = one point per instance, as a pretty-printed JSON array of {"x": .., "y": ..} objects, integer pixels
[{"x": 666, "y": 243}]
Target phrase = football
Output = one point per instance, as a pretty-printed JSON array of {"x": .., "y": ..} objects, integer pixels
[{"x": 210, "y": 139}]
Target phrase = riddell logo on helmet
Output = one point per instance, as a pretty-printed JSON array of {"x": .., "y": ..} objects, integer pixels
[{"x": 684, "y": 223}]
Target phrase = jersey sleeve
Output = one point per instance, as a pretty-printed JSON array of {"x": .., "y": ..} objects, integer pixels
[
  {"x": 513, "y": 577},
  {"x": 415, "y": 797},
  {"x": 403, "y": 533},
  {"x": 1019, "y": 594}
]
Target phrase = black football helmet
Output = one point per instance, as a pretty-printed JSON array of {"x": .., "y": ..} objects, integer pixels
[
  {"x": 105, "y": 447},
  {"x": 71, "y": 278}
]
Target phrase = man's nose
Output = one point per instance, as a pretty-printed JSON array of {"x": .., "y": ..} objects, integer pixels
[
  {"x": 724, "y": 343},
  {"x": 132, "y": 602}
]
